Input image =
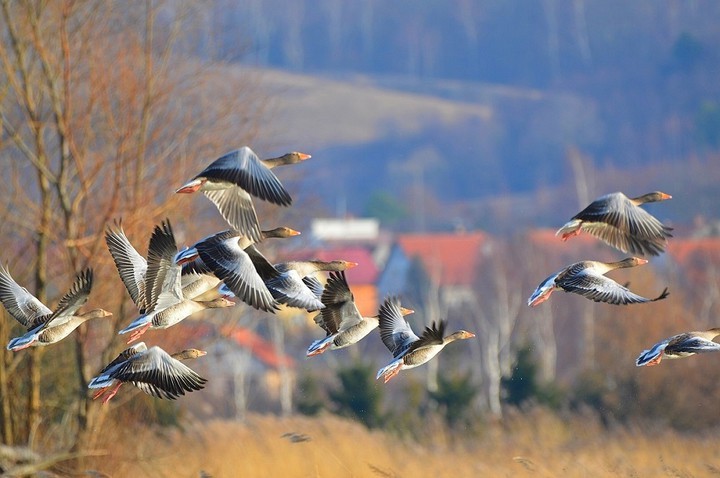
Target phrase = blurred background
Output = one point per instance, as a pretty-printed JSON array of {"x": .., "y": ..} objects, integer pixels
[{"x": 449, "y": 140}]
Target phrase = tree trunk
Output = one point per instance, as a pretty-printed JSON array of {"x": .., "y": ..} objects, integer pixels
[
  {"x": 588, "y": 320},
  {"x": 240, "y": 386},
  {"x": 42, "y": 242},
  {"x": 493, "y": 374},
  {"x": 5, "y": 412},
  {"x": 278, "y": 338},
  {"x": 546, "y": 349},
  {"x": 432, "y": 312}
]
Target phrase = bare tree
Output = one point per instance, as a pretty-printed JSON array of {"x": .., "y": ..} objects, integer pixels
[
  {"x": 101, "y": 120},
  {"x": 499, "y": 302}
]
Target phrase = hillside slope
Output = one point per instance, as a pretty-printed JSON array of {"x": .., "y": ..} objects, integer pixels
[{"x": 390, "y": 134}]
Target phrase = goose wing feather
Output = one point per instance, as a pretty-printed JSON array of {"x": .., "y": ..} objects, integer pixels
[
  {"x": 155, "y": 372},
  {"x": 223, "y": 255},
  {"x": 21, "y": 304},
  {"x": 75, "y": 298},
  {"x": 599, "y": 288},
  {"x": 395, "y": 331},
  {"x": 131, "y": 266}
]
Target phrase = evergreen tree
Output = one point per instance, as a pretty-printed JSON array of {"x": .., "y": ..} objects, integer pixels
[{"x": 358, "y": 395}]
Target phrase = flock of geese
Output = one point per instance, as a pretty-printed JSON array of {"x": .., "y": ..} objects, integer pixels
[
  {"x": 620, "y": 222},
  {"x": 169, "y": 284}
]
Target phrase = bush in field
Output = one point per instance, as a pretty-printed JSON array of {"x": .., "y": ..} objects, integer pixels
[
  {"x": 309, "y": 395},
  {"x": 522, "y": 385},
  {"x": 358, "y": 395},
  {"x": 454, "y": 397}
]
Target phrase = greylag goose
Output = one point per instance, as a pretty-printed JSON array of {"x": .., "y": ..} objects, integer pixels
[
  {"x": 196, "y": 280},
  {"x": 341, "y": 318},
  {"x": 45, "y": 326},
  {"x": 587, "y": 279},
  {"x": 152, "y": 370},
  {"x": 226, "y": 255},
  {"x": 679, "y": 346},
  {"x": 293, "y": 283},
  {"x": 200, "y": 282},
  {"x": 159, "y": 297},
  {"x": 620, "y": 222},
  {"x": 408, "y": 349},
  {"x": 231, "y": 180}
]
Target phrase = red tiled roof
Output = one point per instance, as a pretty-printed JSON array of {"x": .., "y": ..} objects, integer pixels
[
  {"x": 450, "y": 259},
  {"x": 259, "y": 347}
]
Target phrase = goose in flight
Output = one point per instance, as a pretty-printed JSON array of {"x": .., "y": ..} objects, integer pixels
[
  {"x": 679, "y": 346},
  {"x": 587, "y": 278},
  {"x": 43, "y": 325},
  {"x": 152, "y": 370},
  {"x": 340, "y": 319},
  {"x": 232, "y": 180},
  {"x": 409, "y": 350},
  {"x": 155, "y": 285},
  {"x": 620, "y": 222}
]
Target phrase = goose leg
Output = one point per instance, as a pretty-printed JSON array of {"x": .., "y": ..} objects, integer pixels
[
  {"x": 99, "y": 392},
  {"x": 112, "y": 393},
  {"x": 136, "y": 335},
  {"x": 655, "y": 361}
]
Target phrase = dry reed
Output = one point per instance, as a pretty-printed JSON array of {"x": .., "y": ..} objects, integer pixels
[{"x": 536, "y": 443}]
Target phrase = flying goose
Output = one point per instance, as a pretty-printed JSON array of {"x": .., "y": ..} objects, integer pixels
[
  {"x": 620, "y": 222},
  {"x": 587, "y": 279},
  {"x": 231, "y": 180},
  {"x": 44, "y": 326},
  {"x": 341, "y": 319},
  {"x": 155, "y": 285},
  {"x": 408, "y": 349},
  {"x": 679, "y": 346},
  {"x": 152, "y": 370}
]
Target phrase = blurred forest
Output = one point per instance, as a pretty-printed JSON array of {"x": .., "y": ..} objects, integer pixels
[{"x": 500, "y": 116}]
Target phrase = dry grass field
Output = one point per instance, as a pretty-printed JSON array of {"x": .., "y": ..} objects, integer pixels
[{"x": 536, "y": 444}]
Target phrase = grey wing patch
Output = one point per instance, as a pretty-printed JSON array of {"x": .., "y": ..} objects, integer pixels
[
  {"x": 236, "y": 207},
  {"x": 75, "y": 298},
  {"x": 395, "y": 332},
  {"x": 327, "y": 321},
  {"x": 236, "y": 269},
  {"x": 125, "y": 355},
  {"x": 603, "y": 289},
  {"x": 692, "y": 344},
  {"x": 195, "y": 268},
  {"x": 432, "y": 335},
  {"x": 20, "y": 303},
  {"x": 156, "y": 373},
  {"x": 340, "y": 312},
  {"x": 130, "y": 264},
  {"x": 162, "y": 281},
  {"x": 289, "y": 289},
  {"x": 314, "y": 285}
]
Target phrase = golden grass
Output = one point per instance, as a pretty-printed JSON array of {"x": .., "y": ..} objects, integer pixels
[{"x": 533, "y": 444}]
